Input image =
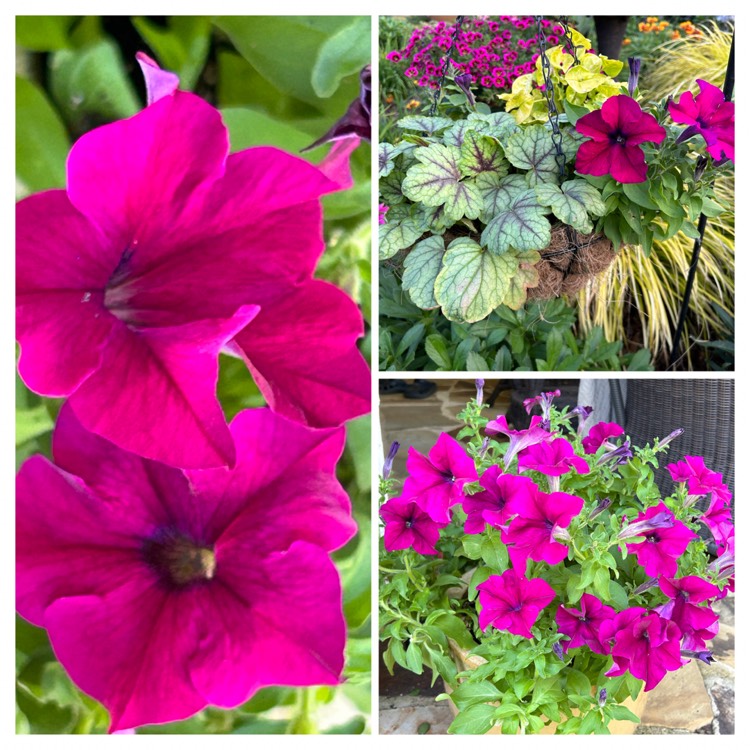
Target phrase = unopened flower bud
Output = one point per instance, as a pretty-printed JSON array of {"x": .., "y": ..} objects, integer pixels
[
  {"x": 483, "y": 449},
  {"x": 602, "y": 697},
  {"x": 634, "y": 63},
  {"x": 700, "y": 167},
  {"x": 463, "y": 81},
  {"x": 388, "y": 463},
  {"x": 619, "y": 455},
  {"x": 557, "y": 648},
  {"x": 669, "y": 438},
  {"x": 646, "y": 585},
  {"x": 705, "y": 656},
  {"x": 603, "y": 505},
  {"x": 661, "y": 520},
  {"x": 480, "y": 390}
]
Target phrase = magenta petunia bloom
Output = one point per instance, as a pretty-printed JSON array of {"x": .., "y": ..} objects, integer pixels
[
  {"x": 552, "y": 458},
  {"x": 718, "y": 518},
  {"x": 408, "y": 526},
  {"x": 437, "y": 480},
  {"x": 544, "y": 400},
  {"x": 161, "y": 252},
  {"x": 491, "y": 505},
  {"x": 698, "y": 624},
  {"x": 643, "y": 643},
  {"x": 519, "y": 439},
  {"x": 539, "y": 517},
  {"x": 662, "y": 546},
  {"x": 616, "y": 133},
  {"x": 600, "y": 432},
  {"x": 582, "y": 625},
  {"x": 709, "y": 115},
  {"x": 693, "y": 470},
  {"x": 513, "y": 603},
  {"x": 164, "y": 591}
]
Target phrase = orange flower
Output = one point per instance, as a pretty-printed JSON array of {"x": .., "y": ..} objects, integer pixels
[
  {"x": 643, "y": 26},
  {"x": 626, "y": 41},
  {"x": 652, "y": 19},
  {"x": 389, "y": 99},
  {"x": 676, "y": 34},
  {"x": 413, "y": 104},
  {"x": 685, "y": 24}
]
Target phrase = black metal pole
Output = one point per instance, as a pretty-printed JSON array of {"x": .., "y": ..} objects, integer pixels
[{"x": 728, "y": 89}]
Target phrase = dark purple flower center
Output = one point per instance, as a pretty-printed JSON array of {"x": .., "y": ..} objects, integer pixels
[
  {"x": 653, "y": 537},
  {"x": 617, "y": 137},
  {"x": 117, "y": 293},
  {"x": 177, "y": 559},
  {"x": 409, "y": 523}
]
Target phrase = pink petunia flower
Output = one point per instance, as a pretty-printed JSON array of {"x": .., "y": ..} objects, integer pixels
[
  {"x": 552, "y": 458},
  {"x": 519, "y": 439},
  {"x": 616, "y": 133},
  {"x": 513, "y": 603},
  {"x": 709, "y": 115},
  {"x": 490, "y": 506},
  {"x": 539, "y": 518},
  {"x": 582, "y": 625},
  {"x": 600, "y": 432},
  {"x": 643, "y": 643},
  {"x": 698, "y": 624},
  {"x": 163, "y": 250},
  {"x": 408, "y": 526},
  {"x": 437, "y": 480},
  {"x": 164, "y": 591},
  {"x": 663, "y": 544}
]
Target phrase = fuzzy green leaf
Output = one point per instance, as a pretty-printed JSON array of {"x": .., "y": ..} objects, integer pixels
[
  {"x": 421, "y": 268},
  {"x": 522, "y": 225}
]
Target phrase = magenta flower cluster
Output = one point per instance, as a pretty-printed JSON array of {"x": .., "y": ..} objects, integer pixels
[
  {"x": 535, "y": 527},
  {"x": 494, "y": 52},
  {"x": 164, "y": 549}
]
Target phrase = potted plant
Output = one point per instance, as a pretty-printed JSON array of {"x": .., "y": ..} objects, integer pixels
[
  {"x": 487, "y": 208},
  {"x": 541, "y": 574}
]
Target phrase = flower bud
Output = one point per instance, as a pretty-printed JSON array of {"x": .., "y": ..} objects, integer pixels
[
  {"x": 662, "y": 520},
  {"x": 669, "y": 438},
  {"x": 634, "y": 63},
  {"x": 602, "y": 697},
  {"x": 388, "y": 463},
  {"x": 480, "y": 390},
  {"x": 463, "y": 81}
]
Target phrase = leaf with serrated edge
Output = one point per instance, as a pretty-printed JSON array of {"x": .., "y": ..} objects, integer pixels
[
  {"x": 501, "y": 125},
  {"x": 481, "y": 154},
  {"x": 499, "y": 194},
  {"x": 386, "y": 154},
  {"x": 522, "y": 226},
  {"x": 525, "y": 278},
  {"x": 473, "y": 282},
  {"x": 424, "y": 123},
  {"x": 533, "y": 150},
  {"x": 436, "y": 180},
  {"x": 421, "y": 268},
  {"x": 455, "y": 136},
  {"x": 572, "y": 203},
  {"x": 397, "y": 235}
]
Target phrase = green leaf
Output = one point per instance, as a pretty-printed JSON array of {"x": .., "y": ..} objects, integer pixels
[
  {"x": 411, "y": 338},
  {"x": 638, "y": 193},
  {"x": 478, "y": 719},
  {"x": 572, "y": 203},
  {"x": 476, "y": 362},
  {"x": 41, "y": 140},
  {"x": 473, "y": 282},
  {"x": 500, "y": 125},
  {"x": 437, "y": 181},
  {"x": 622, "y": 713},
  {"x": 397, "y": 235},
  {"x": 181, "y": 47},
  {"x": 497, "y": 195},
  {"x": 345, "y": 52},
  {"x": 711, "y": 208},
  {"x": 494, "y": 553},
  {"x": 248, "y": 127},
  {"x": 43, "y": 33},
  {"x": 425, "y": 124},
  {"x": 31, "y": 423},
  {"x": 414, "y": 658},
  {"x": 533, "y": 150},
  {"x": 480, "y": 575},
  {"x": 641, "y": 360},
  {"x": 522, "y": 225},
  {"x": 421, "y": 268},
  {"x": 436, "y": 348},
  {"x": 470, "y": 693},
  {"x": 455, "y": 628},
  {"x": 481, "y": 154}
]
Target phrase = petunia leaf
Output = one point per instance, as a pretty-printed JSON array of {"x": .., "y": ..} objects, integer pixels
[
  {"x": 481, "y": 154},
  {"x": 437, "y": 181},
  {"x": 345, "y": 52},
  {"x": 572, "y": 203},
  {"x": 522, "y": 225},
  {"x": 473, "y": 281},
  {"x": 421, "y": 268},
  {"x": 534, "y": 150},
  {"x": 424, "y": 123}
]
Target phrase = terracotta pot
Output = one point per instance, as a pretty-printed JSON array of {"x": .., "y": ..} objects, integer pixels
[{"x": 465, "y": 661}]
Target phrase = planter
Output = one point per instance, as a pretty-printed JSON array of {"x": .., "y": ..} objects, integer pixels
[{"x": 465, "y": 661}]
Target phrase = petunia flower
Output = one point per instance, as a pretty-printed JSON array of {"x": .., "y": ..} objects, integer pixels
[
  {"x": 616, "y": 133},
  {"x": 663, "y": 544},
  {"x": 600, "y": 432},
  {"x": 552, "y": 458},
  {"x": 644, "y": 644},
  {"x": 437, "y": 480},
  {"x": 161, "y": 252},
  {"x": 545, "y": 402},
  {"x": 698, "y": 624},
  {"x": 513, "y": 603},
  {"x": 582, "y": 625},
  {"x": 539, "y": 518},
  {"x": 490, "y": 506},
  {"x": 164, "y": 591},
  {"x": 408, "y": 526},
  {"x": 519, "y": 439},
  {"x": 708, "y": 114}
]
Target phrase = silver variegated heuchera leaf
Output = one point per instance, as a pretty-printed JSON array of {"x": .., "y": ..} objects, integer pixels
[
  {"x": 523, "y": 279},
  {"x": 521, "y": 226},
  {"x": 455, "y": 136},
  {"x": 424, "y": 124},
  {"x": 498, "y": 194},
  {"x": 397, "y": 235},
  {"x": 387, "y": 152},
  {"x": 481, "y": 154},
  {"x": 572, "y": 203},
  {"x": 421, "y": 268},
  {"x": 500, "y": 125},
  {"x": 533, "y": 150},
  {"x": 473, "y": 281},
  {"x": 437, "y": 181}
]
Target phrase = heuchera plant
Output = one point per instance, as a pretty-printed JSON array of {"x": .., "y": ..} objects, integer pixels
[
  {"x": 561, "y": 575},
  {"x": 471, "y": 201}
]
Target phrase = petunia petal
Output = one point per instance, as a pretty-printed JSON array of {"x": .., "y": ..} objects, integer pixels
[
  {"x": 302, "y": 351},
  {"x": 628, "y": 164},
  {"x": 594, "y": 158},
  {"x": 593, "y": 126}
]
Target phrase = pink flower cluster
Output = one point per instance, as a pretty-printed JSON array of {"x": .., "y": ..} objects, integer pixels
[{"x": 494, "y": 52}]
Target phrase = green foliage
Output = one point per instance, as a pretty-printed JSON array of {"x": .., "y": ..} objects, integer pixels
[{"x": 267, "y": 96}]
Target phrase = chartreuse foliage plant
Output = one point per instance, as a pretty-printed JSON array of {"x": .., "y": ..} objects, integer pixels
[
  {"x": 137, "y": 513},
  {"x": 551, "y": 564}
]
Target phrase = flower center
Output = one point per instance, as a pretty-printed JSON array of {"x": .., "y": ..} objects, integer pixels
[
  {"x": 409, "y": 523},
  {"x": 179, "y": 560},
  {"x": 117, "y": 295},
  {"x": 617, "y": 137}
]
